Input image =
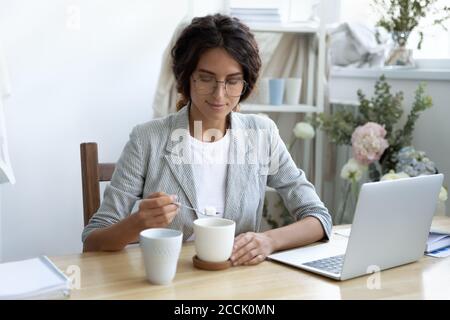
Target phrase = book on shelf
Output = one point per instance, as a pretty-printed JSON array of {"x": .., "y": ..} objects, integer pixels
[
  {"x": 250, "y": 4},
  {"x": 256, "y": 15},
  {"x": 36, "y": 278},
  {"x": 255, "y": 11},
  {"x": 259, "y": 19}
]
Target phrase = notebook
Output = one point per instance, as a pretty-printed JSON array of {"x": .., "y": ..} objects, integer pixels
[
  {"x": 437, "y": 240},
  {"x": 36, "y": 278}
]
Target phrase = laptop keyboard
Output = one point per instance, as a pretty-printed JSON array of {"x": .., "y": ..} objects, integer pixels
[{"x": 331, "y": 264}]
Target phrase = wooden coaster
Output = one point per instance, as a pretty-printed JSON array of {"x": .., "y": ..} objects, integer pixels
[{"x": 213, "y": 266}]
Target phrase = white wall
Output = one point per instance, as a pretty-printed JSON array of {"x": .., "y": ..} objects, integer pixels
[
  {"x": 1, "y": 238},
  {"x": 71, "y": 85},
  {"x": 432, "y": 128}
]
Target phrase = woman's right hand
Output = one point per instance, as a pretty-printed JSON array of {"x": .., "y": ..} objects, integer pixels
[{"x": 157, "y": 210}]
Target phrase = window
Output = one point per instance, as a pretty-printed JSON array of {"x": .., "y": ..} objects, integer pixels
[{"x": 436, "y": 43}]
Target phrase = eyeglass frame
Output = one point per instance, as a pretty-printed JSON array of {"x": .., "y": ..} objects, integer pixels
[{"x": 225, "y": 84}]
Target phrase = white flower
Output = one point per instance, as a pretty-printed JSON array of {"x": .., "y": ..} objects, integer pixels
[
  {"x": 391, "y": 175},
  {"x": 443, "y": 195},
  {"x": 304, "y": 130},
  {"x": 352, "y": 170}
]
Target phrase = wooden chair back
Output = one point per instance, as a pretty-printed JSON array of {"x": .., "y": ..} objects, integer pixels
[{"x": 92, "y": 173}]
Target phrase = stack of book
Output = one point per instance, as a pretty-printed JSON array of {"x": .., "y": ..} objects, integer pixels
[{"x": 256, "y": 15}]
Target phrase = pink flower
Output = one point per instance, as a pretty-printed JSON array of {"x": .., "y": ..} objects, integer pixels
[{"x": 368, "y": 143}]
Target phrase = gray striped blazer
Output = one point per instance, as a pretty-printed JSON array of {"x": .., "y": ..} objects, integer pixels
[{"x": 152, "y": 161}]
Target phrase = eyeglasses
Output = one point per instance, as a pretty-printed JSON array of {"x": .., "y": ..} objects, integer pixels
[{"x": 205, "y": 85}]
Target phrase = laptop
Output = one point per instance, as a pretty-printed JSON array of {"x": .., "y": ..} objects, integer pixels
[{"x": 390, "y": 228}]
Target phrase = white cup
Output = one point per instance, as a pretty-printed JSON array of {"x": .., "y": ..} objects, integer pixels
[
  {"x": 161, "y": 249},
  {"x": 214, "y": 239},
  {"x": 293, "y": 88},
  {"x": 262, "y": 89}
]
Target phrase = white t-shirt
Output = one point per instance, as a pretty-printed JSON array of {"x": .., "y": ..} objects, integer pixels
[{"x": 209, "y": 167}]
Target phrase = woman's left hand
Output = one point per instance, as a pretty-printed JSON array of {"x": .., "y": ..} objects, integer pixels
[{"x": 251, "y": 248}]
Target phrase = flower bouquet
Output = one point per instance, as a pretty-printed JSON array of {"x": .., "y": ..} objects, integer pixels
[{"x": 381, "y": 146}]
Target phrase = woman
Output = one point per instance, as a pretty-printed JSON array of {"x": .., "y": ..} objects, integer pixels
[{"x": 216, "y": 64}]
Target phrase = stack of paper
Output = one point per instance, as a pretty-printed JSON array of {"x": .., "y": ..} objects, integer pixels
[
  {"x": 256, "y": 11},
  {"x": 266, "y": 15},
  {"x": 438, "y": 244},
  {"x": 36, "y": 278}
]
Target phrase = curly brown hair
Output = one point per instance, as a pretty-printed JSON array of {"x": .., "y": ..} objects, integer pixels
[{"x": 214, "y": 31}]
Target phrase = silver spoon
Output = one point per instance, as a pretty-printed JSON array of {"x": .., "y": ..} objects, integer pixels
[{"x": 196, "y": 210}]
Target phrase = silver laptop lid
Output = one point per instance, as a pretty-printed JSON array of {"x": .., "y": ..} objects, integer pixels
[{"x": 391, "y": 224}]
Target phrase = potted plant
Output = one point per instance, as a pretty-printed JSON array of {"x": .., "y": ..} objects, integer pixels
[{"x": 402, "y": 17}]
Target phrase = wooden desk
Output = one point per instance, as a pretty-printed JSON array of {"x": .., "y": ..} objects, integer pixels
[{"x": 121, "y": 275}]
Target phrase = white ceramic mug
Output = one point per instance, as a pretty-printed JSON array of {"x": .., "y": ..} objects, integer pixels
[
  {"x": 292, "y": 91},
  {"x": 161, "y": 249},
  {"x": 262, "y": 90},
  {"x": 214, "y": 239}
]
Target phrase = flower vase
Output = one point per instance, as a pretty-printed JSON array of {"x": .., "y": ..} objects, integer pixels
[
  {"x": 400, "y": 56},
  {"x": 346, "y": 209}
]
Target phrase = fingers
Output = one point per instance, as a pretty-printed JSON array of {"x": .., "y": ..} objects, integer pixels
[
  {"x": 258, "y": 259},
  {"x": 164, "y": 220},
  {"x": 247, "y": 253},
  {"x": 156, "y": 195},
  {"x": 242, "y": 240},
  {"x": 239, "y": 237},
  {"x": 157, "y": 200},
  {"x": 245, "y": 249},
  {"x": 250, "y": 248},
  {"x": 164, "y": 210},
  {"x": 158, "y": 210},
  {"x": 157, "y": 220}
]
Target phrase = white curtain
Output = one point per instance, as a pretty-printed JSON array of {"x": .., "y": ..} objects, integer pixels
[
  {"x": 285, "y": 55},
  {"x": 166, "y": 94}
]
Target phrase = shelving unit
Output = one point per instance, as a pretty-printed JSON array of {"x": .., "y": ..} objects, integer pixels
[
  {"x": 297, "y": 27},
  {"x": 280, "y": 108},
  {"x": 311, "y": 29}
]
